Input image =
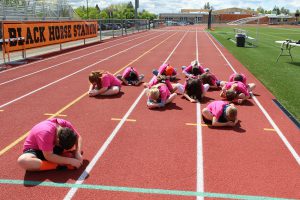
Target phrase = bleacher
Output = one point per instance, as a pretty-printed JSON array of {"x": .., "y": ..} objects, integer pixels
[{"x": 36, "y": 10}]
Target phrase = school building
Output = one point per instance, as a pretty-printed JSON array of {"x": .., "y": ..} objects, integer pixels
[{"x": 222, "y": 16}]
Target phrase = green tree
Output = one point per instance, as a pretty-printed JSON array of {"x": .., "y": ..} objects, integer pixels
[
  {"x": 260, "y": 10},
  {"x": 207, "y": 6},
  {"x": 97, "y": 7},
  {"x": 276, "y": 10}
]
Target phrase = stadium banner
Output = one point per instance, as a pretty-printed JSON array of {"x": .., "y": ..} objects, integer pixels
[{"x": 27, "y": 35}]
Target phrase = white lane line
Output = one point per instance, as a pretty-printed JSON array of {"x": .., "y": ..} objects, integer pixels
[
  {"x": 278, "y": 131},
  {"x": 83, "y": 49},
  {"x": 200, "y": 171},
  {"x": 89, "y": 66},
  {"x": 44, "y": 69},
  {"x": 91, "y": 165}
]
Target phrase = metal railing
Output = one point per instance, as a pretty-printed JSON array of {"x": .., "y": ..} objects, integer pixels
[{"x": 108, "y": 28}]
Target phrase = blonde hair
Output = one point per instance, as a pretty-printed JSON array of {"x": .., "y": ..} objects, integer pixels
[
  {"x": 232, "y": 113},
  {"x": 153, "y": 92}
]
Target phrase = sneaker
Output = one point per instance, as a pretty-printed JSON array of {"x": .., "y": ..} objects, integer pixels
[{"x": 141, "y": 77}]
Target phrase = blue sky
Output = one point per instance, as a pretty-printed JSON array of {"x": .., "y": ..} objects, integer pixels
[{"x": 173, "y": 6}]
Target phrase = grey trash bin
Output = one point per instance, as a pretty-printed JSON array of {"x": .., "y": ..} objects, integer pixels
[{"x": 240, "y": 40}]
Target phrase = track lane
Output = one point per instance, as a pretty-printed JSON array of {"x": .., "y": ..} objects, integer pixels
[
  {"x": 68, "y": 90},
  {"x": 247, "y": 160}
]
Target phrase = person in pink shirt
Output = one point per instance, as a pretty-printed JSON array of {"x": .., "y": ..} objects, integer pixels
[
  {"x": 130, "y": 76},
  {"x": 235, "y": 91},
  {"x": 166, "y": 70},
  {"x": 242, "y": 78},
  {"x": 194, "y": 69},
  {"x": 103, "y": 83},
  {"x": 52, "y": 144},
  {"x": 159, "y": 95},
  {"x": 220, "y": 113},
  {"x": 194, "y": 90},
  {"x": 162, "y": 79},
  {"x": 211, "y": 79}
]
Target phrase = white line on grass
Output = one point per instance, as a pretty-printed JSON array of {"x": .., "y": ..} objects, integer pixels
[
  {"x": 45, "y": 86},
  {"x": 44, "y": 69},
  {"x": 278, "y": 131},
  {"x": 82, "y": 49},
  {"x": 91, "y": 165}
]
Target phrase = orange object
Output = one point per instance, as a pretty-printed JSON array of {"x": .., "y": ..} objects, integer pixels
[
  {"x": 169, "y": 70},
  {"x": 46, "y": 165}
]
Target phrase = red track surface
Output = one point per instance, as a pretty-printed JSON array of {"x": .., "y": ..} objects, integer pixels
[{"x": 158, "y": 150}]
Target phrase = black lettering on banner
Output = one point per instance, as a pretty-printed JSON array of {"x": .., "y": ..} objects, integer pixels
[
  {"x": 82, "y": 30},
  {"x": 42, "y": 36},
  {"x": 69, "y": 31},
  {"x": 75, "y": 31},
  {"x": 65, "y": 32},
  {"x": 57, "y": 36},
  {"x": 51, "y": 33},
  {"x": 29, "y": 36},
  {"x": 12, "y": 32},
  {"x": 36, "y": 38},
  {"x": 79, "y": 30},
  {"x": 20, "y": 42},
  {"x": 61, "y": 32}
]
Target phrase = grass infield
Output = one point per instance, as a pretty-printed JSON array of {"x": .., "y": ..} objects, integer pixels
[{"x": 281, "y": 78}]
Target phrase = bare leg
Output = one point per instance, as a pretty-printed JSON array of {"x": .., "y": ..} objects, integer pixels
[
  {"x": 112, "y": 91},
  {"x": 30, "y": 162},
  {"x": 207, "y": 114},
  {"x": 251, "y": 86},
  {"x": 171, "y": 98}
]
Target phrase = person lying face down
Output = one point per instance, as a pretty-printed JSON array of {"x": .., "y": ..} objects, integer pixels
[{"x": 220, "y": 113}]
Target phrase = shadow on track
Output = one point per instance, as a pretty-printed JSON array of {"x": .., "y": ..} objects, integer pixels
[{"x": 32, "y": 179}]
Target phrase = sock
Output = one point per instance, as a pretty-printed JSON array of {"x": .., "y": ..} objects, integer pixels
[{"x": 46, "y": 165}]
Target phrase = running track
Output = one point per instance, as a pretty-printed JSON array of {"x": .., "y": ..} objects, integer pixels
[{"x": 132, "y": 152}]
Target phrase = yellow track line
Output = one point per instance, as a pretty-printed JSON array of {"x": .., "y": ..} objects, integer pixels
[
  {"x": 60, "y": 115},
  {"x": 76, "y": 100},
  {"x": 118, "y": 119},
  {"x": 269, "y": 129},
  {"x": 194, "y": 124}
]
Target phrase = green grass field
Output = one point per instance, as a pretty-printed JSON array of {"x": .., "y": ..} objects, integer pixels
[{"x": 281, "y": 78}]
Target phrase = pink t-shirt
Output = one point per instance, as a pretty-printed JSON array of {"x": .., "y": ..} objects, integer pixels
[
  {"x": 43, "y": 135},
  {"x": 231, "y": 78},
  {"x": 214, "y": 79},
  {"x": 216, "y": 108},
  {"x": 164, "y": 93},
  {"x": 127, "y": 72},
  {"x": 241, "y": 87},
  {"x": 109, "y": 80},
  {"x": 189, "y": 68},
  {"x": 154, "y": 81}
]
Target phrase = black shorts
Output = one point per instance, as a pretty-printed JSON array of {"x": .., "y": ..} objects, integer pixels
[{"x": 39, "y": 154}]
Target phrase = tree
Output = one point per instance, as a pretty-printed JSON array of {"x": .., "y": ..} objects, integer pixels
[
  {"x": 97, "y": 7},
  {"x": 130, "y": 5},
  {"x": 260, "y": 10},
  {"x": 207, "y": 6},
  {"x": 276, "y": 10}
]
